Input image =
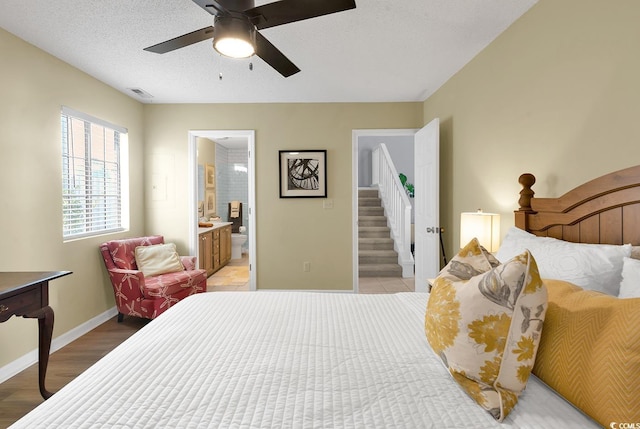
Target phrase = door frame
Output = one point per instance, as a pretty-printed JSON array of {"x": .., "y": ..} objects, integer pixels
[
  {"x": 250, "y": 135},
  {"x": 355, "y": 136}
]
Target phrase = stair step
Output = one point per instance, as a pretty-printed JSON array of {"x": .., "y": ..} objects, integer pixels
[
  {"x": 370, "y": 211},
  {"x": 374, "y": 231},
  {"x": 369, "y": 202},
  {"x": 372, "y": 221},
  {"x": 375, "y": 257},
  {"x": 380, "y": 270},
  {"x": 368, "y": 193},
  {"x": 375, "y": 243}
]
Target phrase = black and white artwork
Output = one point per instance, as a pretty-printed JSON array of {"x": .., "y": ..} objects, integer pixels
[{"x": 303, "y": 174}]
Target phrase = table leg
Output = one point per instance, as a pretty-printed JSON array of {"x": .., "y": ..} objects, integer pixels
[{"x": 45, "y": 330}]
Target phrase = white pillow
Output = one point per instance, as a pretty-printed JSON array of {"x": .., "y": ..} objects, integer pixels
[
  {"x": 158, "y": 259},
  {"x": 630, "y": 286},
  {"x": 591, "y": 266}
]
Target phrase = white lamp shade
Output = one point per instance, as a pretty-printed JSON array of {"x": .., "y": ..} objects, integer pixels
[{"x": 483, "y": 226}]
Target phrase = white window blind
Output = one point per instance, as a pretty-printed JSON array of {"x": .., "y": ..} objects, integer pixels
[{"x": 91, "y": 175}]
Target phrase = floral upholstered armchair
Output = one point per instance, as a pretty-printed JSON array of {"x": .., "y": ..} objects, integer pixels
[{"x": 164, "y": 279}]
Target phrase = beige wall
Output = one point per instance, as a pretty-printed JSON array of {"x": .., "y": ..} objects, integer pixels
[
  {"x": 555, "y": 95},
  {"x": 34, "y": 86},
  {"x": 289, "y": 231}
]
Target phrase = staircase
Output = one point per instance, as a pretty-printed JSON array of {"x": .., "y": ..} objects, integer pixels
[{"x": 376, "y": 256}]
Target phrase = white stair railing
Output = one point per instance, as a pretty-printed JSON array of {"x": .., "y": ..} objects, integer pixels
[{"x": 397, "y": 206}]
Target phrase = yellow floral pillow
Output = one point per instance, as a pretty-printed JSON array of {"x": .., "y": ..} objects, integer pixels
[{"x": 484, "y": 320}]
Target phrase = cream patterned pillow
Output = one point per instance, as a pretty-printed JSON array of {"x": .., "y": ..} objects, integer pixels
[{"x": 484, "y": 320}]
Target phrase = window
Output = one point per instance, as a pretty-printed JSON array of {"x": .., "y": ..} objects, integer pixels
[{"x": 92, "y": 175}]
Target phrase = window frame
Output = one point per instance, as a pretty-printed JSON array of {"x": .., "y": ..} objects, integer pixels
[{"x": 95, "y": 172}]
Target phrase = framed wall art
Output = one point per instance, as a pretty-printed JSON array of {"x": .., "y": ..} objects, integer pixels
[
  {"x": 210, "y": 176},
  {"x": 303, "y": 173},
  {"x": 209, "y": 202}
]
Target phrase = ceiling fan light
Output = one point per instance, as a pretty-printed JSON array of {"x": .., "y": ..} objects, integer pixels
[
  {"x": 234, "y": 37},
  {"x": 234, "y": 47}
]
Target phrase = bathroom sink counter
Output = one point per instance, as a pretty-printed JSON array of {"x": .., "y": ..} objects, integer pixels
[
  {"x": 214, "y": 246},
  {"x": 216, "y": 225}
]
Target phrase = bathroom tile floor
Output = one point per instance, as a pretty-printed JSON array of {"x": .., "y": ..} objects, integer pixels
[
  {"x": 235, "y": 277},
  {"x": 232, "y": 277}
]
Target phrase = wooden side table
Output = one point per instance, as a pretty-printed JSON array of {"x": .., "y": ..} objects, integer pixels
[{"x": 26, "y": 294}]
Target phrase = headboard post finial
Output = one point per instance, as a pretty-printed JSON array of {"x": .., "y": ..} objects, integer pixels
[{"x": 526, "y": 180}]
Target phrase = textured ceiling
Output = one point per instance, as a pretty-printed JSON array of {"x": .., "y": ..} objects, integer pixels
[{"x": 381, "y": 51}]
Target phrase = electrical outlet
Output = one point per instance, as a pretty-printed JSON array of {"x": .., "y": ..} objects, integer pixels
[
  {"x": 306, "y": 267},
  {"x": 327, "y": 204}
]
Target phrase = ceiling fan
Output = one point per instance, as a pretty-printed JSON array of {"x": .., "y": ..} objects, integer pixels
[{"x": 236, "y": 24}]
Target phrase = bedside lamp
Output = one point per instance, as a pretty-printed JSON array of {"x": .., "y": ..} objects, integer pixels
[{"x": 483, "y": 226}]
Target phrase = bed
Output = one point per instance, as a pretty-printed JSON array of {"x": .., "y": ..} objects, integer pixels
[{"x": 325, "y": 360}]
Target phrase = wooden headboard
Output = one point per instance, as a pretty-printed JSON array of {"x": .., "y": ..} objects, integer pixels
[{"x": 605, "y": 210}]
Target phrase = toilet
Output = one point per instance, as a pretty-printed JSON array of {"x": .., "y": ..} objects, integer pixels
[{"x": 238, "y": 238}]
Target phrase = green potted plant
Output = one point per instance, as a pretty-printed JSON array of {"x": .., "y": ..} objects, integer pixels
[{"x": 408, "y": 187}]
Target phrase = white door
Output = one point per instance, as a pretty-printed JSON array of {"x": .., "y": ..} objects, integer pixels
[{"x": 427, "y": 204}]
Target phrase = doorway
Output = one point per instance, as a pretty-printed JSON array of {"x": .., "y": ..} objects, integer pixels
[
  {"x": 239, "y": 137},
  {"x": 427, "y": 251}
]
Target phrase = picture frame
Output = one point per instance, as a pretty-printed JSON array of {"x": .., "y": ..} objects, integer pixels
[
  {"x": 303, "y": 173},
  {"x": 209, "y": 176},
  {"x": 209, "y": 202}
]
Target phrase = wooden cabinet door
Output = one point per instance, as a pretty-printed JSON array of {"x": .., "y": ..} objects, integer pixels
[
  {"x": 225, "y": 245},
  {"x": 216, "y": 249},
  {"x": 205, "y": 252}
]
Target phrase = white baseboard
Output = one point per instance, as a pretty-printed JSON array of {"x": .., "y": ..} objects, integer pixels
[
  {"x": 408, "y": 270},
  {"x": 25, "y": 361}
]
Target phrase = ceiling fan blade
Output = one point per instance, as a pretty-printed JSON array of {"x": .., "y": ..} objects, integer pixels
[
  {"x": 212, "y": 6},
  {"x": 272, "y": 56},
  {"x": 182, "y": 41},
  {"x": 286, "y": 11}
]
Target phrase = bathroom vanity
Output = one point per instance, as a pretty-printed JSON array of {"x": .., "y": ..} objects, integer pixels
[{"x": 214, "y": 247}]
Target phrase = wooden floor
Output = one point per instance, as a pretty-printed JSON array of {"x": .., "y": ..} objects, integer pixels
[{"x": 20, "y": 394}]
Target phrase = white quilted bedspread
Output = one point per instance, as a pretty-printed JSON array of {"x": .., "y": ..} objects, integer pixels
[{"x": 284, "y": 360}]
